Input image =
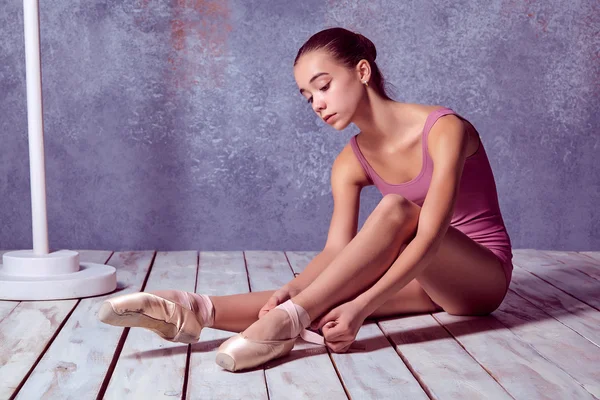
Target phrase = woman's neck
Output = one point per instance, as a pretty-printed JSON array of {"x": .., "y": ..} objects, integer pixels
[{"x": 380, "y": 120}]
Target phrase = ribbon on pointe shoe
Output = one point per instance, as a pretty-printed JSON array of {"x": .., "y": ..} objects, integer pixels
[
  {"x": 300, "y": 319},
  {"x": 199, "y": 304}
]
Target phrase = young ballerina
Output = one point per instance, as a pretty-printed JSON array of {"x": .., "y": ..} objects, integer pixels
[{"x": 436, "y": 240}]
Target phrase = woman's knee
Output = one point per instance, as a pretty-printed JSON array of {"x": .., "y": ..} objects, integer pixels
[{"x": 398, "y": 209}]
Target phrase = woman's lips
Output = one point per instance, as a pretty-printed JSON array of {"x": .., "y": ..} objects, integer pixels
[{"x": 330, "y": 118}]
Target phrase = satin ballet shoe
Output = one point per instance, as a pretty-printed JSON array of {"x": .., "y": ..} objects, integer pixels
[
  {"x": 175, "y": 316},
  {"x": 240, "y": 352}
]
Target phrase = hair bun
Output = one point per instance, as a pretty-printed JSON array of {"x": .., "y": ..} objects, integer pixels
[{"x": 368, "y": 46}]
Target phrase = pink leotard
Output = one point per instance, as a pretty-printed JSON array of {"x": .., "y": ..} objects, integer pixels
[{"x": 476, "y": 212}]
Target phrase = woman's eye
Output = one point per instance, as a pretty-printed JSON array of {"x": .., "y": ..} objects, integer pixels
[{"x": 324, "y": 88}]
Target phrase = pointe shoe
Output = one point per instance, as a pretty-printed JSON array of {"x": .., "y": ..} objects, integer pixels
[
  {"x": 169, "y": 314},
  {"x": 240, "y": 352}
]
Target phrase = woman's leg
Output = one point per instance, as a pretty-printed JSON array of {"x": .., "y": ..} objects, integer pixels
[
  {"x": 237, "y": 312},
  {"x": 463, "y": 278},
  {"x": 359, "y": 265},
  {"x": 391, "y": 224},
  {"x": 365, "y": 259},
  {"x": 411, "y": 299}
]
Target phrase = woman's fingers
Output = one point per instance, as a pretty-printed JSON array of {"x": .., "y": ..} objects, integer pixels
[
  {"x": 266, "y": 308},
  {"x": 335, "y": 331},
  {"x": 272, "y": 302},
  {"x": 339, "y": 347},
  {"x": 276, "y": 299},
  {"x": 331, "y": 316}
]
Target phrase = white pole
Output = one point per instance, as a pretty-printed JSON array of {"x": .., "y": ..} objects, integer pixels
[
  {"x": 37, "y": 274},
  {"x": 35, "y": 126}
]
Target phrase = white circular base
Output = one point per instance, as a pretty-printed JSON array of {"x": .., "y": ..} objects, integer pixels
[
  {"x": 54, "y": 276},
  {"x": 27, "y": 263}
]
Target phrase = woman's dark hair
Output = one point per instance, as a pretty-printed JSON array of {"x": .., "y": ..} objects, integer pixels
[{"x": 348, "y": 48}]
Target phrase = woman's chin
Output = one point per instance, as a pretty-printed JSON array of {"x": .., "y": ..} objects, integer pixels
[{"x": 339, "y": 125}]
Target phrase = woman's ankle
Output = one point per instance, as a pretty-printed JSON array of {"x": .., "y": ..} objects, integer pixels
[
  {"x": 200, "y": 304},
  {"x": 299, "y": 318},
  {"x": 203, "y": 307}
]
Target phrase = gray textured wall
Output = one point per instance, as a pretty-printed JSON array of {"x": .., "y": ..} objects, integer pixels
[{"x": 178, "y": 125}]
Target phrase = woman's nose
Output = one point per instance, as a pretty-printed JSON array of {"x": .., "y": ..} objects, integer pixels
[{"x": 318, "y": 105}]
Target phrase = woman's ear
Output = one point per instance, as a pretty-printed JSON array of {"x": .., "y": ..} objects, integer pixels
[{"x": 363, "y": 68}]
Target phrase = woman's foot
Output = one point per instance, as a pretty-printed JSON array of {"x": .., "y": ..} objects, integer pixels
[
  {"x": 275, "y": 325},
  {"x": 268, "y": 338},
  {"x": 174, "y": 315}
]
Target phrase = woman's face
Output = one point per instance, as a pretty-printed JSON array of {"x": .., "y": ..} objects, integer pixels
[{"x": 332, "y": 90}]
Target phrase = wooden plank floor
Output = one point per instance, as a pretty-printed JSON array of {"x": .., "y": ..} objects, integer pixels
[{"x": 542, "y": 343}]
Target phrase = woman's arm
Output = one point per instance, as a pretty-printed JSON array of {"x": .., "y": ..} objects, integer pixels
[
  {"x": 347, "y": 180},
  {"x": 448, "y": 141}
]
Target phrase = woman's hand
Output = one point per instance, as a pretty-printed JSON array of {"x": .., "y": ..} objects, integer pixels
[
  {"x": 340, "y": 326},
  {"x": 280, "y": 296}
]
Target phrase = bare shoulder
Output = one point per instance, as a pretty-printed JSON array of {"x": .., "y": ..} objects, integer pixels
[
  {"x": 421, "y": 111},
  {"x": 445, "y": 123},
  {"x": 347, "y": 169},
  {"x": 449, "y": 134}
]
